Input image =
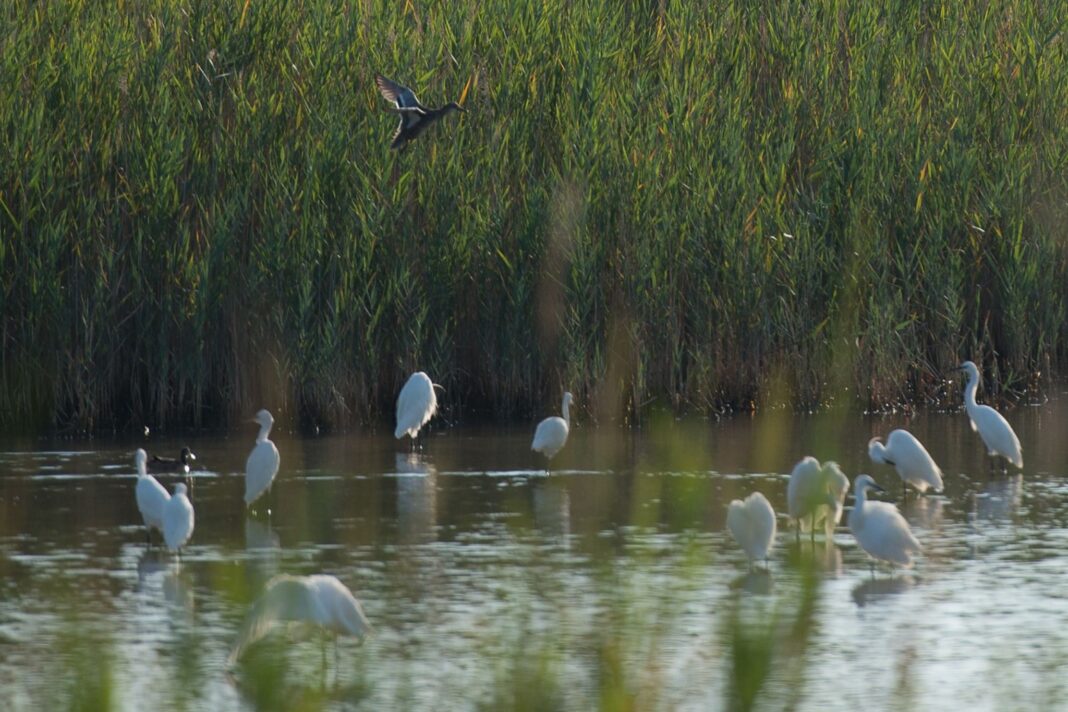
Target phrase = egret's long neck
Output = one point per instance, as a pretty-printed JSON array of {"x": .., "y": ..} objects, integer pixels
[
  {"x": 265, "y": 430},
  {"x": 142, "y": 471},
  {"x": 970, "y": 391},
  {"x": 860, "y": 497},
  {"x": 567, "y": 413}
]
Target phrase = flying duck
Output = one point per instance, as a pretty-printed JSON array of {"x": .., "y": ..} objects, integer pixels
[{"x": 414, "y": 117}]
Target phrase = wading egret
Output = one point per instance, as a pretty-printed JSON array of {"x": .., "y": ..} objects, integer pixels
[
  {"x": 910, "y": 458},
  {"x": 997, "y": 434},
  {"x": 178, "y": 519},
  {"x": 551, "y": 433},
  {"x": 416, "y": 405},
  {"x": 263, "y": 461},
  {"x": 752, "y": 524},
  {"x": 815, "y": 495},
  {"x": 151, "y": 497},
  {"x": 320, "y": 600},
  {"x": 414, "y": 117},
  {"x": 172, "y": 464},
  {"x": 879, "y": 528}
]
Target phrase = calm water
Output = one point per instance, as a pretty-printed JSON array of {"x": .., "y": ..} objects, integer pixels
[{"x": 609, "y": 583}]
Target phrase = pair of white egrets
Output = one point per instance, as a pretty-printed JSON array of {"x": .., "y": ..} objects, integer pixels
[
  {"x": 417, "y": 404},
  {"x": 172, "y": 516},
  {"x": 816, "y": 492}
]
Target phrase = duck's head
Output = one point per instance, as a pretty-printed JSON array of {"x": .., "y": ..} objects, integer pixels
[{"x": 187, "y": 455}]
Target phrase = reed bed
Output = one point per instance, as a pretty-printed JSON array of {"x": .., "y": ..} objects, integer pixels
[{"x": 701, "y": 205}]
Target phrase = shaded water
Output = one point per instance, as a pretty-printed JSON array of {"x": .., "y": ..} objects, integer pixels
[{"x": 610, "y": 583}]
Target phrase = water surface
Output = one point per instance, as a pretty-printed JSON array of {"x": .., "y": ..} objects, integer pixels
[{"x": 609, "y": 583}]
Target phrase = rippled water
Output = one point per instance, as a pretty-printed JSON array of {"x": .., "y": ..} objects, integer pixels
[{"x": 610, "y": 583}]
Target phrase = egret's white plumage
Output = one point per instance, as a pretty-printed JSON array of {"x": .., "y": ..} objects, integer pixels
[
  {"x": 178, "y": 519},
  {"x": 551, "y": 433},
  {"x": 997, "y": 434},
  {"x": 879, "y": 528},
  {"x": 815, "y": 495},
  {"x": 151, "y": 497},
  {"x": 263, "y": 461},
  {"x": 416, "y": 405},
  {"x": 320, "y": 600},
  {"x": 910, "y": 458},
  {"x": 752, "y": 524}
]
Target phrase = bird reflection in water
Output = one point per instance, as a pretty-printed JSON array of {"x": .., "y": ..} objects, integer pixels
[
  {"x": 924, "y": 513},
  {"x": 417, "y": 499},
  {"x": 260, "y": 535},
  {"x": 757, "y": 582},
  {"x": 822, "y": 556},
  {"x": 176, "y": 584},
  {"x": 1000, "y": 499},
  {"x": 873, "y": 590},
  {"x": 551, "y": 506}
]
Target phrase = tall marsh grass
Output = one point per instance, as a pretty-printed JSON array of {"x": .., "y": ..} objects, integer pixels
[{"x": 679, "y": 202}]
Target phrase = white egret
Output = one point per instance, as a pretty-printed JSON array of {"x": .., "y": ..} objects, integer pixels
[
  {"x": 263, "y": 461},
  {"x": 151, "y": 497},
  {"x": 815, "y": 495},
  {"x": 910, "y": 458},
  {"x": 320, "y": 600},
  {"x": 752, "y": 524},
  {"x": 879, "y": 528},
  {"x": 416, "y": 405},
  {"x": 178, "y": 519},
  {"x": 551, "y": 433},
  {"x": 997, "y": 434}
]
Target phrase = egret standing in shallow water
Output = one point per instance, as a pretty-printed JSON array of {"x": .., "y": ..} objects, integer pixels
[
  {"x": 151, "y": 497},
  {"x": 178, "y": 519},
  {"x": 997, "y": 434},
  {"x": 263, "y": 461},
  {"x": 551, "y": 433},
  {"x": 752, "y": 524},
  {"x": 416, "y": 405},
  {"x": 910, "y": 458},
  {"x": 815, "y": 495},
  {"x": 879, "y": 528},
  {"x": 320, "y": 600}
]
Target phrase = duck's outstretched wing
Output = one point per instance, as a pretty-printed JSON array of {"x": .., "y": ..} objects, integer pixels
[{"x": 403, "y": 97}]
